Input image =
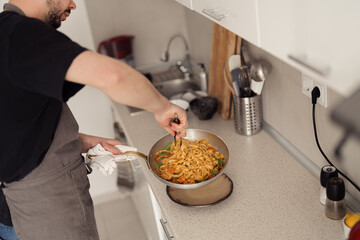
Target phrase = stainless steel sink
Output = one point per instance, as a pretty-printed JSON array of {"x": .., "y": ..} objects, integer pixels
[
  {"x": 170, "y": 88},
  {"x": 176, "y": 86}
]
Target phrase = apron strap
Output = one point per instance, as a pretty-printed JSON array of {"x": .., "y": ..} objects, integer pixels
[
  {"x": 88, "y": 168},
  {"x": 13, "y": 8}
]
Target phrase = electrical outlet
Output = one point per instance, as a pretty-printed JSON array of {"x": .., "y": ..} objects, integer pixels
[{"x": 308, "y": 85}]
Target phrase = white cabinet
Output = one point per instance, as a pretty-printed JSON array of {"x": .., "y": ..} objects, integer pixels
[
  {"x": 151, "y": 216},
  {"x": 186, "y": 3},
  {"x": 318, "y": 37},
  {"x": 146, "y": 209},
  {"x": 238, "y": 16},
  {"x": 164, "y": 229}
]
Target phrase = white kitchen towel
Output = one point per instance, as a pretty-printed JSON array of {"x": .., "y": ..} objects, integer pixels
[{"x": 105, "y": 161}]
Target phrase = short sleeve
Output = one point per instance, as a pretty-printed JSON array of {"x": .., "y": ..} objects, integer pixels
[{"x": 39, "y": 57}]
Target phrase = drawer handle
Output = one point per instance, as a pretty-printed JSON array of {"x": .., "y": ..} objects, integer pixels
[
  {"x": 214, "y": 14},
  {"x": 166, "y": 230},
  {"x": 320, "y": 70}
]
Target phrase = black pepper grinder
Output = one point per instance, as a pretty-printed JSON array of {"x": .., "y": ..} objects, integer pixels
[
  {"x": 327, "y": 172},
  {"x": 335, "y": 203}
]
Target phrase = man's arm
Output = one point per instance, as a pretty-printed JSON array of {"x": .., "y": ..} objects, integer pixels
[{"x": 125, "y": 85}]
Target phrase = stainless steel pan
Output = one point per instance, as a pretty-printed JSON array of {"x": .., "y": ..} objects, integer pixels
[{"x": 192, "y": 134}]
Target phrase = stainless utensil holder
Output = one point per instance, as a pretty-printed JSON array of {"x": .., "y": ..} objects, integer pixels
[{"x": 248, "y": 115}]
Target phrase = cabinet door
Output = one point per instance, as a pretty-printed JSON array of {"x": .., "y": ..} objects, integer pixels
[
  {"x": 238, "y": 16},
  {"x": 319, "y": 37},
  {"x": 164, "y": 230},
  {"x": 186, "y": 3}
]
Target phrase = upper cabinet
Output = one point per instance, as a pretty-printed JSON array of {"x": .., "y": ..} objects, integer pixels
[
  {"x": 239, "y": 16},
  {"x": 321, "y": 38},
  {"x": 187, "y": 3}
]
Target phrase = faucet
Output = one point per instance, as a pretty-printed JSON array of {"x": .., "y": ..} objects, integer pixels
[{"x": 185, "y": 65}]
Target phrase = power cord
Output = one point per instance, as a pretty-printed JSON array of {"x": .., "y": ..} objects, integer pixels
[{"x": 315, "y": 94}]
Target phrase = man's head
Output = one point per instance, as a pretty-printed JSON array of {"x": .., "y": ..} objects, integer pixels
[
  {"x": 52, "y": 12},
  {"x": 58, "y": 11}
]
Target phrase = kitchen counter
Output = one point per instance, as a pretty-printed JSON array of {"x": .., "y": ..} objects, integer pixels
[{"x": 274, "y": 197}]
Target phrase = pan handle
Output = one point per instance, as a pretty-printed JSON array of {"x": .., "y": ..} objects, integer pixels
[{"x": 138, "y": 154}]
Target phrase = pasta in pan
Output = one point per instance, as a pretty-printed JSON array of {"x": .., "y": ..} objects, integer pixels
[{"x": 189, "y": 161}]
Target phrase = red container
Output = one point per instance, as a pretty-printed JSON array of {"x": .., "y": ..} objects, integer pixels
[{"x": 119, "y": 47}]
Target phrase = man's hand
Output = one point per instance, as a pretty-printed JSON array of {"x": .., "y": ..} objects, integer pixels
[
  {"x": 88, "y": 141},
  {"x": 167, "y": 114}
]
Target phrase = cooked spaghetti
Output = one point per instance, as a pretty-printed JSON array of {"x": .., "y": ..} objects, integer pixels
[{"x": 189, "y": 162}]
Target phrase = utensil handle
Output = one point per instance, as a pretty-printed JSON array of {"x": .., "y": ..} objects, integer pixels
[
  {"x": 227, "y": 81},
  {"x": 236, "y": 88},
  {"x": 177, "y": 121},
  {"x": 138, "y": 154}
]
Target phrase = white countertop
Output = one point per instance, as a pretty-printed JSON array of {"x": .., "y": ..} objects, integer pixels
[{"x": 274, "y": 197}]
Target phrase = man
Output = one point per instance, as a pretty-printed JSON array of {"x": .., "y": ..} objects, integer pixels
[{"x": 42, "y": 173}]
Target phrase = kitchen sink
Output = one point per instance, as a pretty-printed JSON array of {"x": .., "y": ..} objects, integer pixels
[
  {"x": 170, "y": 88},
  {"x": 175, "y": 86}
]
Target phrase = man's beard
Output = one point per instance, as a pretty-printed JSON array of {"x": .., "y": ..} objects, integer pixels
[
  {"x": 54, "y": 20},
  {"x": 54, "y": 15}
]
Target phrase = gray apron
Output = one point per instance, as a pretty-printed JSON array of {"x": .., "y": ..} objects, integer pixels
[{"x": 53, "y": 201}]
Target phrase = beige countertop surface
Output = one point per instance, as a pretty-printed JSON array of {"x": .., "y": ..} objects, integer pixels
[{"x": 274, "y": 197}]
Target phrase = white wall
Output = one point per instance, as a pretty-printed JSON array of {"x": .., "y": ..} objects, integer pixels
[
  {"x": 289, "y": 111},
  {"x": 199, "y": 31},
  {"x": 2, "y": 2},
  {"x": 152, "y": 23},
  {"x": 77, "y": 26}
]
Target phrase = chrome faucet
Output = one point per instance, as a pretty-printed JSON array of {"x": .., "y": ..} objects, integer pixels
[{"x": 185, "y": 65}]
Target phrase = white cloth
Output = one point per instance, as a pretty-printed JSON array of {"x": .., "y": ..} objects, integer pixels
[{"x": 105, "y": 161}]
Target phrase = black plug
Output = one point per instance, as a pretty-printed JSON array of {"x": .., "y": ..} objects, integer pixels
[{"x": 315, "y": 94}]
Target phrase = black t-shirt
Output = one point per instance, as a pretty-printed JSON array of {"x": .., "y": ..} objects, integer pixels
[{"x": 34, "y": 58}]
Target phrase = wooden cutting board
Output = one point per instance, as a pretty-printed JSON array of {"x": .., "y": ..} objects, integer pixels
[{"x": 224, "y": 44}]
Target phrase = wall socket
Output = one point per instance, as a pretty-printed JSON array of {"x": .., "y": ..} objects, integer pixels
[{"x": 307, "y": 86}]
